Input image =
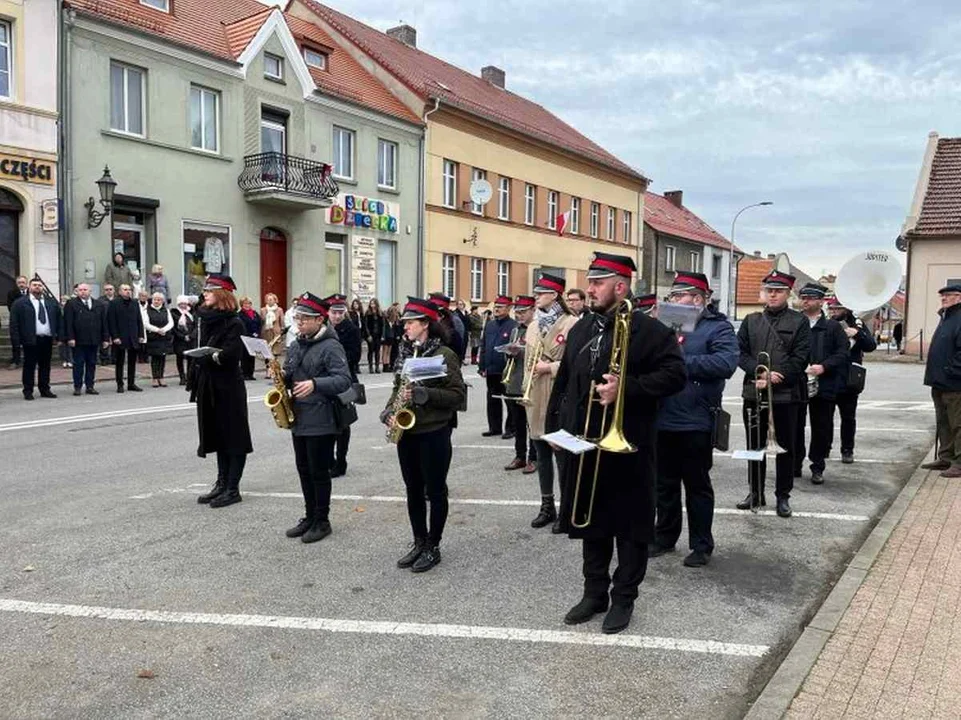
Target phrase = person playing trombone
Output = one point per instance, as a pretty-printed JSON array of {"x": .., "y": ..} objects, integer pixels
[
  {"x": 524, "y": 453},
  {"x": 617, "y": 366}
]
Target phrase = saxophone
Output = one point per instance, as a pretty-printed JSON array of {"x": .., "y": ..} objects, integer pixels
[
  {"x": 277, "y": 399},
  {"x": 403, "y": 414}
]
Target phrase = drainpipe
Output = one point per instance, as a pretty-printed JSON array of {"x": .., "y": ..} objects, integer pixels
[
  {"x": 422, "y": 202},
  {"x": 638, "y": 227},
  {"x": 65, "y": 205}
]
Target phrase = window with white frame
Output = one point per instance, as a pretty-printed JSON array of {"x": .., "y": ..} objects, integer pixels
[
  {"x": 204, "y": 119},
  {"x": 387, "y": 164},
  {"x": 504, "y": 199},
  {"x": 552, "y": 209},
  {"x": 343, "y": 153},
  {"x": 450, "y": 183},
  {"x": 449, "y": 270},
  {"x": 315, "y": 58},
  {"x": 273, "y": 67},
  {"x": 503, "y": 277},
  {"x": 476, "y": 279},
  {"x": 575, "y": 215},
  {"x": 477, "y": 174},
  {"x": 716, "y": 266},
  {"x": 127, "y": 98},
  {"x": 611, "y": 220},
  {"x": 595, "y": 219},
  {"x": 157, "y": 4},
  {"x": 695, "y": 262},
  {"x": 627, "y": 226},
  {"x": 670, "y": 253},
  {"x": 530, "y": 195},
  {"x": 6, "y": 59}
]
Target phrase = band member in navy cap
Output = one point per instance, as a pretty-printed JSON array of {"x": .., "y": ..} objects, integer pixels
[
  {"x": 619, "y": 511},
  {"x": 860, "y": 341},
  {"x": 217, "y": 386},
  {"x": 491, "y": 365},
  {"x": 349, "y": 337},
  {"x": 785, "y": 336}
]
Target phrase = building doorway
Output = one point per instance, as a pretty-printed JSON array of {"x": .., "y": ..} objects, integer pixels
[
  {"x": 10, "y": 211},
  {"x": 128, "y": 238},
  {"x": 334, "y": 249},
  {"x": 273, "y": 264}
]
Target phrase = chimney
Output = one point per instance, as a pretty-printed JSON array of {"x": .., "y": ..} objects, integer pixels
[
  {"x": 757, "y": 253},
  {"x": 675, "y": 197},
  {"x": 405, "y": 34},
  {"x": 771, "y": 256},
  {"x": 493, "y": 75}
]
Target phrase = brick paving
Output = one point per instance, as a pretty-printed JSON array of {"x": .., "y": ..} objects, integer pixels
[
  {"x": 105, "y": 374},
  {"x": 896, "y": 652}
]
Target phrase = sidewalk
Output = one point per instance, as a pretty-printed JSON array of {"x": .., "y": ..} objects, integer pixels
[{"x": 105, "y": 374}]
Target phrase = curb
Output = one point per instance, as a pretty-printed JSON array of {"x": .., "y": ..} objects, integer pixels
[
  {"x": 776, "y": 698},
  {"x": 68, "y": 383}
]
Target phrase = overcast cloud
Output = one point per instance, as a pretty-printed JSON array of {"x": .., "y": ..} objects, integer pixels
[{"x": 821, "y": 107}]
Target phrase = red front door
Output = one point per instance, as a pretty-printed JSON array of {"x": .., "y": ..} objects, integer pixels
[{"x": 273, "y": 265}]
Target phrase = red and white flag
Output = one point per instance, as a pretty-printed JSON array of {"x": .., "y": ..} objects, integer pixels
[{"x": 562, "y": 221}]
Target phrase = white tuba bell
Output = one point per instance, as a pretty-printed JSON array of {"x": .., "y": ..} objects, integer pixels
[{"x": 867, "y": 281}]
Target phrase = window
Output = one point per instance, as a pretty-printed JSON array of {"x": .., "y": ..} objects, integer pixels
[
  {"x": 530, "y": 194},
  {"x": 6, "y": 59},
  {"x": 669, "y": 252},
  {"x": 627, "y": 226},
  {"x": 575, "y": 215},
  {"x": 316, "y": 59},
  {"x": 695, "y": 262},
  {"x": 204, "y": 118},
  {"x": 126, "y": 99},
  {"x": 450, "y": 183},
  {"x": 157, "y": 4},
  {"x": 447, "y": 278},
  {"x": 477, "y": 174},
  {"x": 273, "y": 67},
  {"x": 503, "y": 277},
  {"x": 595, "y": 218},
  {"x": 343, "y": 153},
  {"x": 206, "y": 249},
  {"x": 476, "y": 279},
  {"x": 611, "y": 220},
  {"x": 552, "y": 209},
  {"x": 387, "y": 165},
  {"x": 716, "y": 266},
  {"x": 504, "y": 199},
  {"x": 386, "y": 262}
]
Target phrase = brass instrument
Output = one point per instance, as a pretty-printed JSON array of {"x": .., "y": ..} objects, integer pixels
[
  {"x": 610, "y": 439},
  {"x": 511, "y": 360},
  {"x": 277, "y": 399},
  {"x": 403, "y": 414},
  {"x": 771, "y": 449},
  {"x": 531, "y": 358}
]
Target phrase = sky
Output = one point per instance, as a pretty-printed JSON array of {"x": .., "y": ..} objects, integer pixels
[{"x": 822, "y": 108}]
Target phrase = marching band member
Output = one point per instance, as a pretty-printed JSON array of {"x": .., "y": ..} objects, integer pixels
[
  {"x": 450, "y": 321},
  {"x": 685, "y": 451},
  {"x": 349, "y": 337},
  {"x": 217, "y": 386},
  {"x": 424, "y": 451},
  {"x": 524, "y": 455},
  {"x": 647, "y": 304},
  {"x": 315, "y": 372},
  {"x": 785, "y": 335},
  {"x": 550, "y": 327},
  {"x": 497, "y": 332},
  {"x": 623, "y": 506},
  {"x": 861, "y": 341},
  {"x": 828, "y": 362}
]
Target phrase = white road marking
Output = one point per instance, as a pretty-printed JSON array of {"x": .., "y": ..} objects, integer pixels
[{"x": 379, "y": 627}]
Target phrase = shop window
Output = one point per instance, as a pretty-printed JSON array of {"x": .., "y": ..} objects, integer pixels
[{"x": 206, "y": 249}]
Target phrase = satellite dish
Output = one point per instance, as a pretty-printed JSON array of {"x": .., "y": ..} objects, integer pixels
[
  {"x": 481, "y": 192},
  {"x": 867, "y": 281}
]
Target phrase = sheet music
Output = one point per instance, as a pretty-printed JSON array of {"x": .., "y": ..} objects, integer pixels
[
  {"x": 257, "y": 346},
  {"x": 678, "y": 317},
  {"x": 755, "y": 455},
  {"x": 425, "y": 368},
  {"x": 566, "y": 441},
  {"x": 201, "y": 352}
]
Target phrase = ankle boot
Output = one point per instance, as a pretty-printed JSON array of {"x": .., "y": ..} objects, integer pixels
[
  {"x": 416, "y": 548},
  {"x": 229, "y": 496},
  {"x": 547, "y": 515},
  {"x": 752, "y": 500},
  {"x": 217, "y": 489},
  {"x": 319, "y": 529}
]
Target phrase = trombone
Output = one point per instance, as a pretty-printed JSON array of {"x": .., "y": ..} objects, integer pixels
[
  {"x": 531, "y": 357},
  {"x": 610, "y": 439},
  {"x": 763, "y": 400}
]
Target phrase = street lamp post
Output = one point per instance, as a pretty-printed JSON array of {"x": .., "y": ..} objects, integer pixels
[{"x": 732, "y": 291}]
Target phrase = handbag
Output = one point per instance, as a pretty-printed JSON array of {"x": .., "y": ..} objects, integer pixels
[
  {"x": 345, "y": 408},
  {"x": 721, "y": 433},
  {"x": 856, "y": 377}
]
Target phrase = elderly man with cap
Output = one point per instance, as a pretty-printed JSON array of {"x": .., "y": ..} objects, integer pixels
[
  {"x": 943, "y": 375},
  {"x": 785, "y": 336},
  {"x": 315, "y": 372},
  {"x": 450, "y": 320},
  {"x": 860, "y": 341},
  {"x": 349, "y": 337},
  {"x": 685, "y": 450},
  {"x": 609, "y": 496},
  {"x": 524, "y": 456},
  {"x": 491, "y": 363},
  {"x": 827, "y": 375}
]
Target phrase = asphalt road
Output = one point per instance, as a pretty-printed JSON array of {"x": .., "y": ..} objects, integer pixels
[{"x": 109, "y": 569}]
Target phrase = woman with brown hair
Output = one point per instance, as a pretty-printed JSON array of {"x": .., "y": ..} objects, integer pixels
[
  {"x": 272, "y": 316},
  {"x": 218, "y": 389},
  {"x": 252, "y": 325},
  {"x": 374, "y": 328},
  {"x": 391, "y": 317}
]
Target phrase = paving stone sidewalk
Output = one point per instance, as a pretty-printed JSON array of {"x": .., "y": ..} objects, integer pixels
[
  {"x": 896, "y": 652},
  {"x": 105, "y": 374}
]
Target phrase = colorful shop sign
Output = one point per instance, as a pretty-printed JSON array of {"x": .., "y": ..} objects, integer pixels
[{"x": 361, "y": 212}]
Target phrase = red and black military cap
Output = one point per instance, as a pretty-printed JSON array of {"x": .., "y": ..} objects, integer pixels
[
  {"x": 336, "y": 301},
  {"x": 310, "y": 304},
  {"x": 605, "y": 265},
  {"x": 439, "y": 299},
  {"x": 691, "y": 281},
  {"x": 419, "y": 309},
  {"x": 523, "y": 302},
  {"x": 217, "y": 281},
  {"x": 778, "y": 279},
  {"x": 549, "y": 283},
  {"x": 503, "y": 300},
  {"x": 645, "y": 303}
]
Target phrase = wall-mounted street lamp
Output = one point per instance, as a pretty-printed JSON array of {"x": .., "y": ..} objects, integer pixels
[{"x": 106, "y": 185}]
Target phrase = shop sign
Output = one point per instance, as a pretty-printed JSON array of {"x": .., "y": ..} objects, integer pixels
[
  {"x": 50, "y": 215},
  {"x": 16, "y": 167},
  {"x": 363, "y": 268},
  {"x": 361, "y": 212}
]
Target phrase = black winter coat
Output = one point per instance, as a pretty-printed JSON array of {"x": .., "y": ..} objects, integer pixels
[
  {"x": 125, "y": 323},
  {"x": 217, "y": 386},
  {"x": 23, "y": 321},
  {"x": 943, "y": 370},
  {"x": 349, "y": 337},
  {"x": 374, "y": 326},
  {"x": 864, "y": 341},
  {"x": 158, "y": 344},
  {"x": 85, "y": 326},
  {"x": 252, "y": 323},
  {"x": 440, "y": 398},
  {"x": 829, "y": 347},
  {"x": 786, "y": 336},
  {"x": 13, "y": 296},
  {"x": 624, "y": 504},
  {"x": 496, "y": 333},
  {"x": 322, "y": 360},
  {"x": 184, "y": 337}
]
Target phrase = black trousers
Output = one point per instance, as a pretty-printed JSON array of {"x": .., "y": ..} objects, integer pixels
[
  {"x": 785, "y": 422},
  {"x": 424, "y": 462},
  {"x": 522, "y": 449},
  {"x": 495, "y": 406},
  {"x": 821, "y": 411},
  {"x": 630, "y": 571},
  {"x": 312, "y": 457},
  {"x": 16, "y": 349},
  {"x": 247, "y": 364},
  {"x": 685, "y": 458},
  {"x": 120, "y": 353},
  {"x": 373, "y": 352},
  {"x": 545, "y": 467},
  {"x": 230, "y": 466},
  {"x": 36, "y": 359},
  {"x": 343, "y": 445},
  {"x": 84, "y": 366},
  {"x": 158, "y": 363},
  {"x": 106, "y": 355},
  {"x": 847, "y": 404},
  {"x": 183, "y": 365}
]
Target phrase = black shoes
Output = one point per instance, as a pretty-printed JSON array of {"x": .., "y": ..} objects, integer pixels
[
  {"x": 92, "y": 391},
  {"x": 697, "y": 558},
  {"x": 338, "y": 470},
  {"x": 77, "y": 392},
  {"x": 558, "y": 528},
  {"x": 617, "y": 618},
  {"x": 783, "y": 508},
  {"x": 817, "y": 478},
  {"x": 120, "y": 388},
  {"x": 300, "y": 528},
  {"x": 229, "y": 496},
  {"x": 29, "y": 396},
  {"x": 654, "y": 550},
  {"x": 217, "y": 489},
  {"x": 490, "y": 433},
  {"x": 936, "y": 465},
  {"x": 847, "y": 458},
  {"x": 319, "y": 529},
  {"x": 427, "y": 559},
  {"x": 509, "y": 435},
  {"x": 587, "y": 608},
  {"x": 750, "y": 501},
  {"x": 134, "y": 388},
  {"x": 547, "y": 515},
  {"x": 47, "y": 394},
  {"x": 416, "y": 548}
]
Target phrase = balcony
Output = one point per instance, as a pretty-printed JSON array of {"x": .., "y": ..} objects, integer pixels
[{"x": 287, "y": 182}]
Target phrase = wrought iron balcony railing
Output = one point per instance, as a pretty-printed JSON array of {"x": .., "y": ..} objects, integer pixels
[{"x": 273, "y": 171}]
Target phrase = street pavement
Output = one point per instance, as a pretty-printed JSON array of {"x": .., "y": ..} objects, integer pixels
[{"x": 111, "y": 570}]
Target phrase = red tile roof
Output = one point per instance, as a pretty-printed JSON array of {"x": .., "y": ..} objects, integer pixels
[
  {"x": 666, "y": 217},
  {"x": 750, "y": 272},
  {"x": 941, "y": 209},
  {"x": 241, "y": 32},
  {"x": 431, "y": 77}
]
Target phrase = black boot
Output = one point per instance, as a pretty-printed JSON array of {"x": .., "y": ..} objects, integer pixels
[
  {"x": 217, "y": 489},
  {"x": 370, "y": 368},
  {"x": 319, "y": 529},
  {"x": 416, "y": 548},
  {"x": 587, "y": 608},
  {"x": 427, "y": 559},
  {"x": 752, "y": 500},
  {"x": 618, "y": 617},
  {"x": 783, "y": 507},
  {"x": 300, "y": 528},
  {"x": 547, "y": 515},
  {"x": 339, "y": 469},
  {"x": 229, "y": 496}
]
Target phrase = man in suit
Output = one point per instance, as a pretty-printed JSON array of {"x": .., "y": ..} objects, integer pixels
[
  {"x": 36, "y": 324},
  {"x": 126, "y": 330},
  {"x": 85, "y": 322},
  {"x": 109, "y": 293},
  {"x": 15, "y": 294}
]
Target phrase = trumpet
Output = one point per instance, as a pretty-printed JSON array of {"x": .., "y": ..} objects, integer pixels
[
  {"x": 610, "y": 438},
  {"x": 531, "y": 358}
]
